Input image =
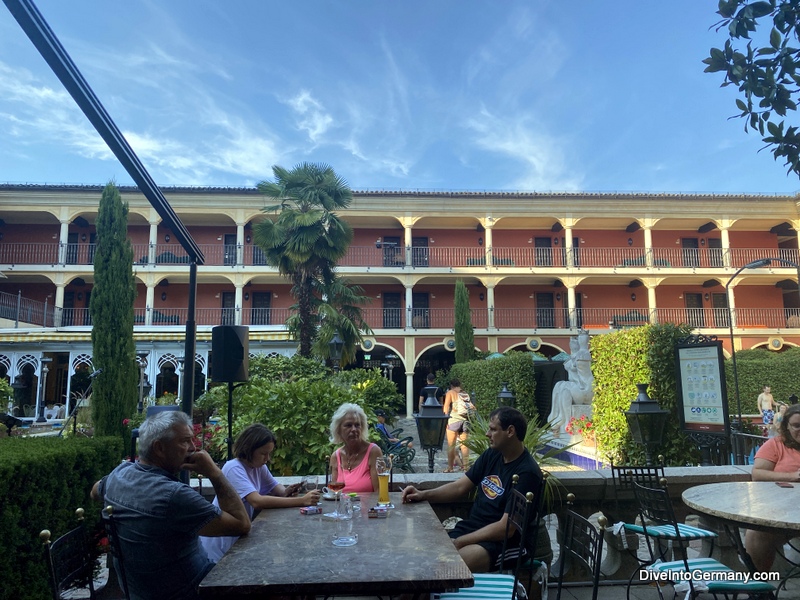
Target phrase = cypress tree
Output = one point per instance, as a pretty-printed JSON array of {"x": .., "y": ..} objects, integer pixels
[
  {"x": 114, "y": 391},
  {"x": 464, "y": 332}
]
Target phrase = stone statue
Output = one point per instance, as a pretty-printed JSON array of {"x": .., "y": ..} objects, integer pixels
[{"x": 578, "y": 388}]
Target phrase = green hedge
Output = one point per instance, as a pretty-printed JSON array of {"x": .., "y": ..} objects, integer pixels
[
  {"x": 760, "y": 367},
  {"x": 486, "y": 378},
  {"x": 42, "y": 482},
  {"x": 622, "y": 359}
]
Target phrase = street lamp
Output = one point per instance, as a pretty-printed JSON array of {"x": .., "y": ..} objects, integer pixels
[
  {"x": 506, "y": 397},
  {"x": 335, "y": 346},
  {"x": 41, "y": 400},
  {"x": 142, "y": 360},
  {"x": 646, "y": 420},
  {"x": 431, "y": 425},
  {"x": 17, "y": 385}
]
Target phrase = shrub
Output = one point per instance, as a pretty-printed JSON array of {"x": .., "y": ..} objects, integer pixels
[
  {"x": 622, "y": 359},
  {"x": 486, "y": 378},
  {"x": 757, "y": 368},
  {"x": 42, "y": 482}
]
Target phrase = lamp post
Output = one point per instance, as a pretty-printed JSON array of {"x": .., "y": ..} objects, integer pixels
[
  {"x": 431, "y": 425},
  {"x": 646, "y": 421},
  {"x": 335, "y": 346},
  {"x": 142, "y": 360},
  {"x": 506, "y": 397},
  {"x": 41, "y": 400},
  {"x": 17, "y": 385}
]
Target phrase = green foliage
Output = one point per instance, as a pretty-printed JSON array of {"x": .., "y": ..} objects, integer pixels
[
  {"x": 288, "y": 368},
  {"x": 114, "y": 391},
  {"x": 486, "y": 378},
  {"x": 6, "y": 391},
  {"x": 299, "y": 411},
  {"x": 464, "y": 332},
  {"x": 622, "y": 359},
  {"x": 42, "y": 482},
  {"x": 757, "y": 368},
  {"x": 307, "y": 237},
  {"x": 765, "y": 73}
]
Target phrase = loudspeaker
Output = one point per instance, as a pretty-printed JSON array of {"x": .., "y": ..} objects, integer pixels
[{"x": 230, "y": 348}]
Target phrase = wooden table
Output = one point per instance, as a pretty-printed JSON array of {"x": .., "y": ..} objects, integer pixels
[
  {"x": 287, "y": 553},
  {"x": 760, "y": 505}
]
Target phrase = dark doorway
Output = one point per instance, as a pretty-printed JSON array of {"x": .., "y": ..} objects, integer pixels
[
  {"x": 230, "y": 248},
  {"x": 432, "y": 361},
  {"x": 719, "y": 302},
  {"x": 228, "y": 316},
  {"x": 393, "y": 252},
  {"x": 392, "y": 310},
  {"x": 715, "y": 252},
  {"x": 694, "y": 309},
  {"x": 419, "y": 251},
  {"x": 543, "y": 253},
  {"x": 260, "y": 311},
  {"x": 420, "y": 313},
  {"x": 545, "y": 310},
  {"x": 691, "y": 257}
]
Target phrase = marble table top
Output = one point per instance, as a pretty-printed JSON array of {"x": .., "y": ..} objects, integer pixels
[
  {"x": 292, "y": 554},
  {"x": 751, "y": 504}
]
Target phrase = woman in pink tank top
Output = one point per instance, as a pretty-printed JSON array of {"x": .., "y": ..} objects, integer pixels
[{"x": 354, "y": 461}]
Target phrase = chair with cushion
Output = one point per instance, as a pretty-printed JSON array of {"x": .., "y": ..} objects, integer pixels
[
  {"x": 116, "y": 551},
  {"x": 401, "y": 450},
  {"x": 581, "y": 545},
  {"x": 658, "y": 520},
  {"x": 523, "y": 517},
  {"x": 70, "y": 560}
]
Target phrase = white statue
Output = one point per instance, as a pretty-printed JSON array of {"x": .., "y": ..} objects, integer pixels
[{"x": 578, "y": 388}]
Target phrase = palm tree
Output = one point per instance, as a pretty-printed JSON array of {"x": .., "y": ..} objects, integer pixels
[{"x": 307, "y": 238}]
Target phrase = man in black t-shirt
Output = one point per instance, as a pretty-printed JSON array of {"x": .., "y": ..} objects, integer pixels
[
  {"x": 479, "y": 537},
  {"x": 431, "y": 383}
]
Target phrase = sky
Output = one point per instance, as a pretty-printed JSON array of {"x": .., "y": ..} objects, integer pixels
[{"x": 512, "y": 95}]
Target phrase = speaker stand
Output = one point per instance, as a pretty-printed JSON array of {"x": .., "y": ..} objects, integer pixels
[{"x": 231, "y": 387}]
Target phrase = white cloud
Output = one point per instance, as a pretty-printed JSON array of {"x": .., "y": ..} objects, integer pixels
[
  {"x": 313, "y": 119},
  {"x": 542, "y": 157}
]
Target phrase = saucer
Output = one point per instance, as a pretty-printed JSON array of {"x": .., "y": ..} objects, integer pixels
[{"x": 329, "y": 496}]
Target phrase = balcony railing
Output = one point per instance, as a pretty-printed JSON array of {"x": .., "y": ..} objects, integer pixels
[{"x": 433, "y": 257}]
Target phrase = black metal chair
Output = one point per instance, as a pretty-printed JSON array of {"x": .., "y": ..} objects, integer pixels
[
  {"x": 658, "y": 521},
  {"x": 70, "y": 560},
  {"x": 582, "y": 544},
  {"x": 522, "y": 518},
  {"x": 402, "y": 452},
  {"x": 116, "y": 550}
]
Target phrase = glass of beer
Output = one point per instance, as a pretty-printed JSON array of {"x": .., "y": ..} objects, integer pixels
[{"x": 384, "y": 466}]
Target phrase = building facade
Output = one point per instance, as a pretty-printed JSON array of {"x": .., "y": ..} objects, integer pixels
[{"x": 539, "y": 267}]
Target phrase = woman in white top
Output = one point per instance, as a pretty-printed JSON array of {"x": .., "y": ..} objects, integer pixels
[{"x": 250, "y": 477}]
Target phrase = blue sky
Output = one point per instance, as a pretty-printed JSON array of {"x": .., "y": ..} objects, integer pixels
[{"x": 532, "y": 95}]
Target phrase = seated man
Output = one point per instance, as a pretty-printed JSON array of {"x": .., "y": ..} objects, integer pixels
[
  {"x": 159, "y": 518},
  {"x": 479, "y": 538}
]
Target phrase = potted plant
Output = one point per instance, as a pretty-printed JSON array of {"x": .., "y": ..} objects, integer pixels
[{"x": 583, "y": 427}]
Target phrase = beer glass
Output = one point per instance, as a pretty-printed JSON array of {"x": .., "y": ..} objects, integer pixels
[{"x": 384, "y": 467}]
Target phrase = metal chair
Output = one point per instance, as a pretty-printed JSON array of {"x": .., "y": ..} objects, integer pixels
[
  {"x": 403, "y": 454},
  {"x": 581, "y": 544},
  {"x": 522, "y": 517},
  {"x": 116, "y": 550},
  {"x": 70, "y": 560},
  {"x": 658, "y": 521}
]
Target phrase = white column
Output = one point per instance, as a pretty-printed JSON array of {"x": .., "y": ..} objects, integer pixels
[
  {"x": 572, "y": 311},
  {"x": 407, "y": 241},
  {"x": 63, "y": 237},
  {"x": 490, "y": 305},
  {"x": 568, "y": 246},
  {"x": 732, "y": 307},
  {"x": 726, "y": 246},
  {"x": 240, "y": 243},
  {"x": 487, "y": 233},
  {"x": 238, "y": 303},
  {"x": 59, "y": 307},
  {"x": 648, "y": 246},
  {"x": 148, "y": 304},
  {"x": 152, "y": 241},
  {"x": 651, "y": 303},
  {"x": 409, "y": 306},
  {"x": 410, "y": 394}
]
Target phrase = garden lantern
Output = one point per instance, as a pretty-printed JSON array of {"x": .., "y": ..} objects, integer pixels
[
  {"x": 646, "y": 420},
  {"x": 431, "y": 425}
]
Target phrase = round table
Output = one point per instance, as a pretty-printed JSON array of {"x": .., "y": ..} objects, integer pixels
[{"x": 761, "y": 505}]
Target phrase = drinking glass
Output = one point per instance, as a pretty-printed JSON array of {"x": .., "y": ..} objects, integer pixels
[
  {"x": 344, "y": 536},
  {"x": 336, "y": 487},
  {"x": 308, "y": 483},
  {"x": 384, "y": 467}
]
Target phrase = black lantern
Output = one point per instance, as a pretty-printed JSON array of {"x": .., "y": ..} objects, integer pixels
[
  {"x": 335, "y": 347},
  {"x": 646, "y": 421},
  {"x": 506, "y": 397},
  {"x": 42, "y": 401},
  {"x": 431, "y": 425},
  {"x": 142, "y": 363}
]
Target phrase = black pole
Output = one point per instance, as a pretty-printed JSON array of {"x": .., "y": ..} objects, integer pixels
[
  {"x": 431, "y": 453},
  {"x": 189, "y": 348},
  {"x": 230, "y": 420}
]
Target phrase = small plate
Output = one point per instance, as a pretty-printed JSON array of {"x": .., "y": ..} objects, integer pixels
[{"x": 329, "y": 496}]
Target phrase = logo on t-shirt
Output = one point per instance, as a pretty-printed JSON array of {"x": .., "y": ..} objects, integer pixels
[{"x": 492, "y": 486}]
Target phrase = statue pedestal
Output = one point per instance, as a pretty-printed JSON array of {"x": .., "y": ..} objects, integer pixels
[{"x": 579, "y": 410}]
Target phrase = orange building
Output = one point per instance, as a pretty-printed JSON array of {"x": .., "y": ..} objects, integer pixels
[{"x": 538, "y": 267}]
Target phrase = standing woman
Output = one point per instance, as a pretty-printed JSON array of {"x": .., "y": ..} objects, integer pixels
[
  {"x": 354, "y": 461},
  {"x": 455, "y": 404},
  {"x": 250, "y": 477}
]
